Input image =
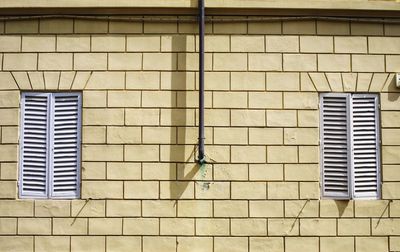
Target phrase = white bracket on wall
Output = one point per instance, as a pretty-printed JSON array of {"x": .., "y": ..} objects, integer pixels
[{"x": 398, "y": 80}]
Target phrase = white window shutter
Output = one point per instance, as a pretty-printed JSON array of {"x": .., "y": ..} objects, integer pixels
[
  {"x": 33, "y": 145},
  {"x": 65, "y": 145},
  {"x": 335, "y": 146},
  {"x": 366, "y": 156}
]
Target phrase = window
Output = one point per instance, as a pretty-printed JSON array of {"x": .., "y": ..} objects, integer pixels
[
  {"x": 350, "y": 156},
  {"x": 50, "y": 145}
]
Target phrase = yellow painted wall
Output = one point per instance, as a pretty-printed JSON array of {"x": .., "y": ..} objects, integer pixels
[{"x": 141, "y": 188}]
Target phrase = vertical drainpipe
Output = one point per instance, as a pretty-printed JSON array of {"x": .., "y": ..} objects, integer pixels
[{"x": 201, "y": 156}]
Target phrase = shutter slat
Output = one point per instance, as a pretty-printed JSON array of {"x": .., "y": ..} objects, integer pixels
[
  {"x": 66, "y": 140},
  {"x": 365, "y": 144},
  {"x": 334, "y": 146},
  {"x": 33, "y": 157}
]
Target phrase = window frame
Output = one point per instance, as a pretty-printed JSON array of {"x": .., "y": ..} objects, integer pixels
[
  {"x": 350, "y": 145},
  {"x": 49, "y": 188}
]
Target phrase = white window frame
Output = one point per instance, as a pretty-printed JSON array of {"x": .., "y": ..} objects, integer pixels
[
  {"x": 49, "y": 146},
  {"x": 350, "y": 142}
]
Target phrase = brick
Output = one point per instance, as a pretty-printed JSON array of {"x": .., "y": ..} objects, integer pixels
[
  {"x": 311, "y": 227},
  {"x": 34, "y": 226},
  {"x": 283, "y": 82},
  {"x": 56, "y": 25},
  {"x": 55, "y": 243},
  {"x": 8, "y": 153},
  {"x": 386, "y": 45},
  {"x": 123, "y": 208},
  {"x": 281, "y": 118},
  {"x": 368, "y": 63},
  {"x": 123, "y": 135},
  {"x": 8, "y": 226},
  {"x": 155, "y": 244},
  {"x": 102, "y": 153},
  {"x": 177, "y": 43},
  {"x": 176, "y": 190},
  {"x": 142, "y": 117},
  {"x": 265, "y": 100},
  {"x": 234, "y": 244},
  {"x": 177, "y": 226},
  {"x": 281, "y": 44},
  {"x": 159, "y": 61},
  {"x": 142, "y": 80},
  {"x": 158, "y": 99},
  {"x": 316, "y": 44},
  {"x": 301, "y": 136},
  {"x": 90, "y": 61},
  {"x": 394, "y": 243},
  {"x": 229, "y": 27},
  {"x": 258, "y": 244},
  {"x": 73, "y": 43},
  {"x": 199, "y": 244},
  {"x": 93, "y": 170},
  {"x": 351, "y": 44},
  {"x": 310, "y": 190},
  {"x": 53, "y": 208},
  {"x": 248, "y": 118},
  {"x": 178, "y": 80},
  {"x": 22, "y": 26},
  {"x": 16, "y": 243},
  {"x": 248, "y": 190},
  {"x": 320, "y": 82},
  {"x": 8, "y": 81},
  {"x": 102, "y": 189},
  {"x": 8, "y": 189},
  {"x": 190, "y": 61},
  {"x": 293, "y": 244},
  {"x": 16, "y": 208},
  {"x": 216, "y": 117},
  {"x": 216, "y": 190},
  {"x": 160, "y": 27},
  {"x": 264, "y": 27},
  {"x": 265, "y": 62},
  {"x": 177, "y": 117},
  {"x": 195, "y": 208},
  {"x": 212, "y": 227},
  {"x": 296, "y": 208},
  {"x": 9, "y": 43},
  {"x": 105, "y": 226},
  {"x": 330, "y": 208},
  {"x": 189, "y": 99},
  {"x": 20, "y": 61},
  {"x": 282, "y": 190},
  {"x": 143, "y": 43},
  {"x": 389, "y": 155},
  {"x": 390, "y": 190},
  {"x": 91, "y": 26},
  {"x": 230, "y": 136},
  {"x": 301, "y": 172},
  {"x": 360, "y": 28},
  {"x": 265, "y": 172},
  {"x": 112, "y": 43},
  {"x": 94, "y": 99},
  {"x": 354, "y": 227},
  {"x": 385, "y": 226},
  {"x": 390, "y": 173},
  {"x": 159, "y": 208},
  {"x": 230, "y": 100},
  {"x": 299, "y": 27},
  {"x": 93, "y": 134},
  {"x": 247, "y": 43},
  {"x": 308, "y": 118},
  {"x": 215, "y": 43},
  {"x": 298, "y": 100},
  {"x": 38, "y": 43},
  {"x": 333, "y": 28},
  {"x": 369, "y": 244},
  {"x": 247, "y": 81},
  {"x": 123, "y": 171},
  {"x": 390, "y": 119},
  {"x": 283, "y": 227},
  {"x": 158, "y": 171},
  {"x": 230, "y": 172},
  {"x": 103, "y": 117},
  {"x": 366, "y": 208},
  {"x": 216, "y": 80},
  {"x": 141, "y": 190},
  {"x": 308, "y": 154},
  {"x": 8, "y": 171},
  {"x": 300, "y": 62},
  {"x": 125, "y": 27},
  {"x": 282, "y": 154},
  {"x": 334, "y": 63},
  {"x": 248, "y": 154},
  {"x": 123, "y": 244},
  {"x": 9, "y": 135},
  {"x": 223, "y": 208},
  {"x": 55, "y": 61},
  {"x": 230, "y": 62},
  {"x": 176, "y": 153},
  {"x": 124, "y": 61},
  {"x": 166, "y": 135},
  {"x": 266, "y": 208},
  {"x": 331, "y": 244},
  {"x": 88, "y": 243}
]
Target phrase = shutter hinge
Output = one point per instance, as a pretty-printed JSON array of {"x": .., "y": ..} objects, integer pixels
[{"x": 18, "y": 184}]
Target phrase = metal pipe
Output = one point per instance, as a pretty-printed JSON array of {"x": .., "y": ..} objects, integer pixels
[{"x": 201, "y": 157}]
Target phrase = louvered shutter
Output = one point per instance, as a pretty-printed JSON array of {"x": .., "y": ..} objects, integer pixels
[
  {"x": 33, "y": 145},
  {"x": 65, "y": 145},
  {"x": 365, "y": 141},
  {"x": 335, "y": 149}
]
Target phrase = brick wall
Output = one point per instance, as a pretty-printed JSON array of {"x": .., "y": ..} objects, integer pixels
[{"x": 141, "y": 187}]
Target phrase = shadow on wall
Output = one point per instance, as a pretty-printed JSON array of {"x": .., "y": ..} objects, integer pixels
[
  {"x": 181, "y": 174},
  {"x": 392, "y": 96}
]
